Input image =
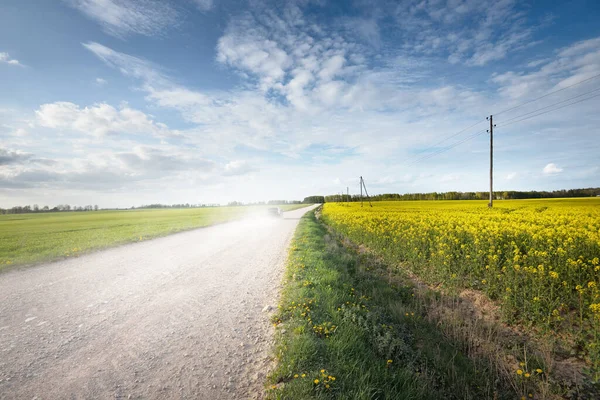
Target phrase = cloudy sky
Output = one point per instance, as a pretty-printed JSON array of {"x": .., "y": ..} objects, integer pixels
[{"x": 129, "y": 102}]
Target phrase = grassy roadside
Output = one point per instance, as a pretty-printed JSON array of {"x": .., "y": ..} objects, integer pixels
[
  {"x": 32, "y": 238},
  {"x": 344, "y": 331}
]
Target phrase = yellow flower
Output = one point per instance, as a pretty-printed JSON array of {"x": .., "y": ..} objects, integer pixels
[
  {"x": 527, "y": 375},
  {"x": 519, "y": 372},
  {"x": 304, "y": 375},
  {"x": 322, "y": 371},
  {"x": 296, "y": 375},
  {"x": 539, "y": 370},
  {"x": 316, "y": 381}
]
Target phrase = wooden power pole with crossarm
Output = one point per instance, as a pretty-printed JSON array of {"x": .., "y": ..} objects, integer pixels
[{"x": 491, "y": 132}]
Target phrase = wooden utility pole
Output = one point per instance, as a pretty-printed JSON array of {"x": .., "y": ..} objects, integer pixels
[
  {"x": 360, "y": 184},
  {"x": 491, "y": 132}
]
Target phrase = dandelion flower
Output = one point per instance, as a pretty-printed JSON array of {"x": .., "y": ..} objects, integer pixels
[
  {"x": 316, "y": 381},
  {"x": 519, "y": 372}
]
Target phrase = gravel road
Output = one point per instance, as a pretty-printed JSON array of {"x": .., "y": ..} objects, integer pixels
[{"x": 177, "y": 317}]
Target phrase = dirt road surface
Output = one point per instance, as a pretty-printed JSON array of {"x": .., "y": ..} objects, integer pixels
[{"x": 178, "y": 317}]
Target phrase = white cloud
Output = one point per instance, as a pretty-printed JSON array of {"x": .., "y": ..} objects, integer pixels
[
  {"x": 101, "y": 81},
  {"x": 5, "y": 58},
  {"x": 203, "y": 5},
  {"x": 551, "y": 169},
  {"x": 122, "y": 17},
  {"x": 20, "y": 133},
  {"x": 332, "y": 67},
  {"x": 247, "y": 46},
  {"x": 314, "y": 104},
  {"x": 9, "y": 156},
  {"x": 238, "y": 167},
  {"x": 99, "y": 120}
]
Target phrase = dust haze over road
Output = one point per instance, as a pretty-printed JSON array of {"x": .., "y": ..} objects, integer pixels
[{"x": 175, "y": 317}]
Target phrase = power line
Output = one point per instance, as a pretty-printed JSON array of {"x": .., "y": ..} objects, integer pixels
[
  {"x": 444, "y": 140},
  {"x": 547, "y": 94},
  {"x": 551, "y": 105},
  {"x": 554, "y": 109},
  {"x": 428, "y": 156},
  {"x": 513, "y": 120},
  {"x": 412, "y": 159}
]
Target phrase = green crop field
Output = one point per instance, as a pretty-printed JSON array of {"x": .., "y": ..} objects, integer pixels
[{"x": 31, "y": 238}]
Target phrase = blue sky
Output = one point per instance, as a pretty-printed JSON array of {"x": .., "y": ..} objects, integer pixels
[{"x": 127, "y": 102}]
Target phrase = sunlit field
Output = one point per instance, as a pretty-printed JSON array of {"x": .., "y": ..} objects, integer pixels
[
  {"x": 537, "y": 259},
  {"x": 30, "y": 238}
]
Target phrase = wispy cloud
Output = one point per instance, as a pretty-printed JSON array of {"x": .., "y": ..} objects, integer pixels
[
  {"x": 569, "y": 65},
  {"x": 123, "y": 17},
  {"x": 128, "y": 65},
  {"x": 6, "y": 59},
  {"x": 470, "y": 32}
]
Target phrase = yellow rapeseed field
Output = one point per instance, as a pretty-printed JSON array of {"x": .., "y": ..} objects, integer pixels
[{"x": 538, "y": 258}]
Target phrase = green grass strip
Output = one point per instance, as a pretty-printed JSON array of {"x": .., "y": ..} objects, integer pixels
[
  {"x": 344, "y": 332},
  {"x": 39, "y": 237}
]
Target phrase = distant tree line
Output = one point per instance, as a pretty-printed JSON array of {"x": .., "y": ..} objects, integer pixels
[
  {"x": 231, "y": 203},
  {"x": 37, "y": 209},
  {"x": 500, "y": 195},
  {"x": 186, "y": 205},
  {"x": 263, "y": 203},
  {"x": 66, "y": 207},
  {"x": 314, "y": 200}
]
